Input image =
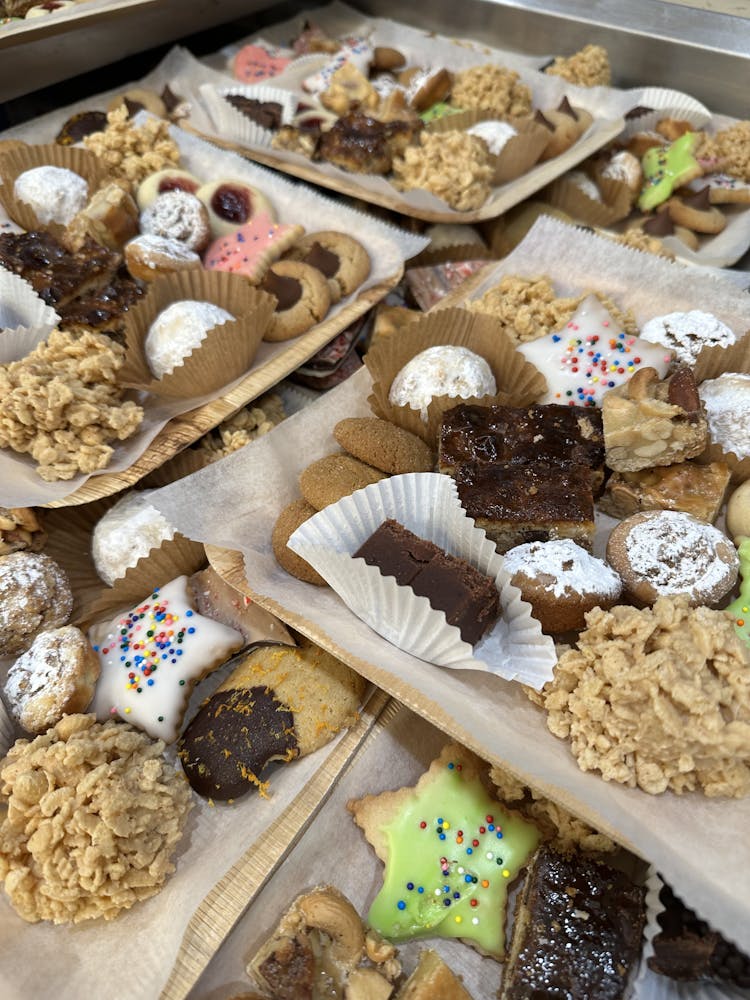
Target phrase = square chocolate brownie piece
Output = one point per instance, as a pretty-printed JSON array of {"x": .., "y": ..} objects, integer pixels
[
  {"x": 577, "y": 930},
  {"x": 468, "y": 598},
  {"x": 528, "y": 503}
]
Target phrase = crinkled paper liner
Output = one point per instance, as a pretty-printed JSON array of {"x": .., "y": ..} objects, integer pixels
[
  {"x": 666, "y": 104},
  {"x": 25, "y": 320},
  {"x": 18, "y": 159},
  {"x": 712, "y": 362},
  {"x": 230, "y": 123},
  {"x": 570, "y": 198},
  {"x": 518, "y": 382},
  {"x": 427, "y": 504},
  {"x": 226, "y": 352},
  {"x": 450, "y": 252}
]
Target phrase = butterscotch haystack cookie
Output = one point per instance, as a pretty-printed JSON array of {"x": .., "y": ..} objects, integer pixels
[
  {"x": 731, "y": 147},
  {"x": 529, "y": 308},
  {"x": 588, "y": 68},
  {"x": 241, "y": 428},
  {"x": 560, "y": 829},
  {"x": 657, "y": 699},
  {"x": 637, "y": 239},
  {"x": 492, "y": 88},
  {"x": 94, "y": 813},
  {"x": 133, "y": 151},
  {"x": 454, "y": 166}
]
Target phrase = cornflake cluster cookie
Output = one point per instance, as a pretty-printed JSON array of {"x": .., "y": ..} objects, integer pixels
[
  {"x": 454, "y": 166},
  {"x": 86, "y": 803},
  {"x": 587, "y": 68}
]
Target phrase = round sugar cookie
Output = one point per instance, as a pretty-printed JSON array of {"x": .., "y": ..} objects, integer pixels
[{"x": 302, "y": 299}]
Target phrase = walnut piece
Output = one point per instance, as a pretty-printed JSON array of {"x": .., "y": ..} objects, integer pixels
[
  {"x": 492, "y": 88},
  {"x": 657, "y": 699},
  {"x": 454, "y": 166},
  {"x": 61, "y": 404},
  {"x": 588, "y": 68},
  {"x": 94, "y": 813},
  {"x": 132, "y": 151}
]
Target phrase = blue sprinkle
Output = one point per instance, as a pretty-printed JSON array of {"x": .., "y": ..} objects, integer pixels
[
  {"x": 469, "y": 850},
  {"x": 420, "y": 889},
  {"x": 409, "y": 886},
  {"x": 401, "y": 904}
]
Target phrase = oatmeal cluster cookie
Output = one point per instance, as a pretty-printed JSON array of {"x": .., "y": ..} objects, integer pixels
[
  {"x": 452, "y": 165},
  {"x": 94, "y": 813},
  {"x": 249, "y": 423},
  {"x": 731, "y": 147},
  {"x": 657, "y": 699},
  {"x": 61, "y": 404},
  {"x": 133, "y": 151},
  {"x": 587, "y": 68},
  {"x": 492, "y": 88},
  {"x": 637, "y": 239}
]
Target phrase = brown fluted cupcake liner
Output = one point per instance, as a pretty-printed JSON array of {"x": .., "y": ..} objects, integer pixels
[{"x": 569, "y": 198}]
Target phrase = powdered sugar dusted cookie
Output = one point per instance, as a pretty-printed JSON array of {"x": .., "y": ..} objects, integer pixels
[
  {"x": 589, "y": 356},
  {"x": 126, "y": 533},
  {"x": 727, "y": 402},
  {"x": 688, "y": 333},
  {"x": 178, "y": 330},
  {"x": 444, "y": 370},
  {"x": 54, "y": 193},
  {"x": 152, "y": 657}
]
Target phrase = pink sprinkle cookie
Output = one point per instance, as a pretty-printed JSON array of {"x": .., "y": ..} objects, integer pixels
[
  {"x": 259, "y": 62},
  {"x": 590, "y": 355},
  {"x": 250, "y": 249}
]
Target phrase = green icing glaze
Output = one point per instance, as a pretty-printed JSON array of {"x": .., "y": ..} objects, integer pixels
[
  {"x": 439, "y": 110},
  {"x": 740, "y": 609},
  {"x": 458, "y": 851},
  {"x": 665, "y": 168}
]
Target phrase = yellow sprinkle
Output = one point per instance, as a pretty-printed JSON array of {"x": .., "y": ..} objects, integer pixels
[
  {"x": 127, "y": 711},
  {"x": 446, "y": 826},
  {"x": 458, "y": 919},
  {"x": 506, "y": 873}
]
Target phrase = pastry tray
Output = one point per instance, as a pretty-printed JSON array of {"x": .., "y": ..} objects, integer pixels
[{"x": 81, "y": 14}]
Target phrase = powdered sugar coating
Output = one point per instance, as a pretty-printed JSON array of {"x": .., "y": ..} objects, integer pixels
[
  {"x": 584, "y": 184},
  {"x": 155, "y": 249},
  {"x": 626, "y": 168},
  {"x": 441, "y": 371},
  {"x": 563, "y": 569},
  {"x": 178, "y": 330},
  {"x": 688, "y": 333},
  {"x": 55, "y": 193},
  {"x": 127, "y": 533},
  {"x": 727, "y": 402},
  {"x": 34, "y": 595},
  {"x": 177, "y": 215},
  {"x": 495, "y": 134}
]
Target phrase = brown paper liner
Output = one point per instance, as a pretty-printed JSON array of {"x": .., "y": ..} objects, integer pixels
[
  {"x": 457, "y": 251},
  {"x": 70, "y": 530},
  {"x": 226, "y": 352},
  {"x": 519, "y": 154},
  {"x": 519, "y": 383},
  {"x": 14, "y": 160},
  {"x": 569, "y": 198},
  {"x": 710, "y": 363},
  {"x": 617, "y": 196},
  {"x": 181, "y": 465}
]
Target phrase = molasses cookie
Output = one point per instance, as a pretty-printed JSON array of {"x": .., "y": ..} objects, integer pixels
[
  {"x": 333, "y": 477},
  {"x": 303, "y": 298},
  {"x": 383, "y": 445},
  {"x": 342, "y": 259},
  {"x": 291, "y": 517}
]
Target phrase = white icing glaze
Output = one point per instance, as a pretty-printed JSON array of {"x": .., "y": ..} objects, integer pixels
[
  {"x": 147, "y": 679},
  {"x": 584, "y": 184},
  {"x": 495, "y": 134},
  {"x": 126, "y": 533},
  {"x": 727, "y": 402},
  {"x": 178, "y": 330},
  {"x": 688, "y": 333},
  {"x": 357, "y": 51},
  {"x": 441, "y": 371},
  {"x": 589, "y": 356},
  {"x": 55, "y": 194},
  {"x": 563, "y": 568}
]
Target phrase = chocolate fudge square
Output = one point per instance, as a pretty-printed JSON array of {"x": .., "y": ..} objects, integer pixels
[
  {"x": 577, "y": 931},
  {"x": 528, "y": 503},
  {"x": 468, "y": 598},
  {"x": 548, "y": 433}
]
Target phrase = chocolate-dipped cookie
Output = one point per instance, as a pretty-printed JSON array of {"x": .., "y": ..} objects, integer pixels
[{"x": 278, "y": 703}]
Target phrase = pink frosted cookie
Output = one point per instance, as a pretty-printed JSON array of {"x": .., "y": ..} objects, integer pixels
[
  {"x": 259, "y": 62},
  {"x": 250, "y": 249},
  {"x": 152, "y": 657},
  {"x": 589, "y": 356}
]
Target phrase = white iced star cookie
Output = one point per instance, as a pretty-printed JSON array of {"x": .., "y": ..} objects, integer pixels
[{"x": 152, "y": 657}]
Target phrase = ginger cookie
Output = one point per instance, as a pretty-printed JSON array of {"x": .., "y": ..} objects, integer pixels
[
  {"x": 335, "y": 476},
  {"x": 384, "y": 445},
  {"x": 291, "y": 517},
  {"x": 343, "y": 260},
  {"x": 302, "y": 295}
]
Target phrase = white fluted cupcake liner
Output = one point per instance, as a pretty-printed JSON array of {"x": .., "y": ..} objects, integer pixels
[
  {"x": 428, "y": 505},
  {"x": 25, "y": 320},
  {"x": 233, "y": 124},
  {"x": 666, "y": 104}
]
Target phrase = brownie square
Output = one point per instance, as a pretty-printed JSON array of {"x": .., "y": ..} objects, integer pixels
[
  {"x": 577, "y": 930},
  {"x": 396, "y": 552}
]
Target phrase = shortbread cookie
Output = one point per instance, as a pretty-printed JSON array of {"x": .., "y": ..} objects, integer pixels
[
  {"x": 726, "y": 190},
  {"x": 35, "y": 595},
  {"x": 342, "y": 259},
  {"x": 152, "y": 657},
  {"x": 56, "y": 676},
  {"x": 383, "y": 445},
  {"x": 291, "y": 517},
  {"x": 445, "y": 832},
  {"x": 279, "y": 703},
  {"x": 302, "y": 298},
  {"x": 697, "y": 213},
  {"x": 333, "y": 477}
]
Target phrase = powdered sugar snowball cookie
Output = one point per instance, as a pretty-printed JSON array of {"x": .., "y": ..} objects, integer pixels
[
  {"x": 495, "y": 134},
  {"x": 54, "y": 193},
  {"x": 56, "y": 676},
  {"x": 127, "y": 533},
  {"x": 562, "y": 582},
  {"x": 687, "y": 333},
  {"x": 727, "y": 402},
  {"x": 584, "y": 184},
  {"x": 151, "y": 257},
  {"x": 662, "y": 553},
  {"x": 444, "y": 370},
  {"x": 178, "y": 330},
  {"x": 626, "y": 168}
]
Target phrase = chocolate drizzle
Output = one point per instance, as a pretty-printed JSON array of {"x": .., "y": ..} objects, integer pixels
[
  {"x": 324, "y": 260},
  {"x": 288, "y": 291}
]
